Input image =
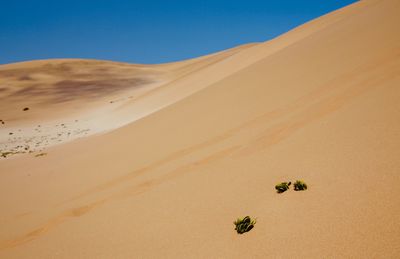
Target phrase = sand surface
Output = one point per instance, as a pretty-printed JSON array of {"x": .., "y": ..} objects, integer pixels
[{"x": 116, "y": 160}]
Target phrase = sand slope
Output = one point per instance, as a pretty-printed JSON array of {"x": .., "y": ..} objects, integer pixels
[{"x": 208, "y": 142}]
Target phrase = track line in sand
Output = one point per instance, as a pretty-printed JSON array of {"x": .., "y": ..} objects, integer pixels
[
  {"x": 126, "y": 193},
  {"x": 326, "y": 106}
]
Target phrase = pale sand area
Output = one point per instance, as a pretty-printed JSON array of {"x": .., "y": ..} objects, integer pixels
[
  {"x": 168, "y": 171},
  {"x": 69, "y": 99}
]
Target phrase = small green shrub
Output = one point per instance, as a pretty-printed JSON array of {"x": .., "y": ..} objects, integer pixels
[
  {"x": 5, "y": 154},
  {"x": 282, "y": 187},
  {"x": 244, "y": 225},
  {"x": 300, "y": 186}
]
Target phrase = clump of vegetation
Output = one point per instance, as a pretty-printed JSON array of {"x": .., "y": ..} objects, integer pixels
[
  {"x": 244, "y": 225},
  {"x": 26, "y": 109},
  {"x": 300, "y": 185},
  {"x": 8, "y": 153},
  {"x": 5, "y": 154},
  {"x": 282, "y": 187}
]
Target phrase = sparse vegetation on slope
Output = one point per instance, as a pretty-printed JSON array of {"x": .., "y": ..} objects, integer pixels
[
  {"x": 244, "y": 225},
  {"x": 40, "y": 154},
  {"x": 300, "y": 185},
  {"x": 282, "y": 187}
]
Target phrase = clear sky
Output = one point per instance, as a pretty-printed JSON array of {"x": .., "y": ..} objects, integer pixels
[{"x": 145, "y": 31}]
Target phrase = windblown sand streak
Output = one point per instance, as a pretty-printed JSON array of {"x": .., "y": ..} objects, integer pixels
[{"x": 134, "y": 190}]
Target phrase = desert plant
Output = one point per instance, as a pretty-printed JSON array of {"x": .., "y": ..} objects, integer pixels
[
  {"x": 244, "y": 225},
  {"x": 282, "y": 187},
  {"x": 7, "y": 153},
  {"x": 300, "y": 186}
]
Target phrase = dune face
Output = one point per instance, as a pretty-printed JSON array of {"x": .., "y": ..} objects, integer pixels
[
  {"x": 47, "y": 103},
  {"x": 174, "y": 153}
]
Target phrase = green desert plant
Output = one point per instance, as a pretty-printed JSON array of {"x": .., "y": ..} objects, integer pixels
[
  {"x": 300, "y": 186},
  {"x": 282, "y": 187},
  {"x": 7, "y": 153},
  {"x": 244, "y": 225},
  {"x": 4, "y": 154}
]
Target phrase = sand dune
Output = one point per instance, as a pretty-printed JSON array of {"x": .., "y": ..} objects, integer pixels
[
  {"x": 172, "y": 154},
  {"x": 69, "y": 99}
]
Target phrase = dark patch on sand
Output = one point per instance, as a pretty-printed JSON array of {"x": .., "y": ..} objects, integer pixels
[
  {"x": 70, "y": 89},
  {"x": 77, "y": 80}
]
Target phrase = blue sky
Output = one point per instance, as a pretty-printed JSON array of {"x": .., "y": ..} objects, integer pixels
[{"x": 145, "y": 31}]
